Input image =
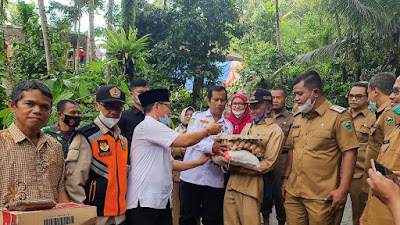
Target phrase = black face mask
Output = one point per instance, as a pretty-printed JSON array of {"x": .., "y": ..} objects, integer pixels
[{"x": 72, "y": 121}]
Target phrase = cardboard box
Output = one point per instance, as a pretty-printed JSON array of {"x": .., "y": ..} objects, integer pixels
[{"x": 61, "y": 214}]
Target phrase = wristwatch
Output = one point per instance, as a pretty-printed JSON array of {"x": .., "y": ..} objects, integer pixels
[{"x": 284, "y": 177}]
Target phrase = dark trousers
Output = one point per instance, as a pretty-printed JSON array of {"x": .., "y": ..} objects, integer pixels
[
  {"x": 200, "y": 201},
  {"x": 148, "y": 216}
]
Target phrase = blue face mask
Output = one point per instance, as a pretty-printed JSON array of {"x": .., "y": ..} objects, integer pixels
[
  {"x": 396, "y": 109},
  {"x": 164, "y": 120},
  {"x": 262, "y": 117},
  {"x": 372, "y": 106}
]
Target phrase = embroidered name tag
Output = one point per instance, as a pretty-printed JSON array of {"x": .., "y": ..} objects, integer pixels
[{"x": 297, "y": 126}]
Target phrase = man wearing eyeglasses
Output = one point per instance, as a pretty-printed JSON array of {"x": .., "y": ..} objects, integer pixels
[
  {"x": 97, "y": 160},
  {"x": 363, "y": 119}
]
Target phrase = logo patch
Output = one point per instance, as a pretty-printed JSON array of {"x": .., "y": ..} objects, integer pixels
[
  {"x": 115, "y": 92},
  {"x": 104, "y": 148},
  {"x": 191, "y": 122},
  {"x": 347, "y": 126},
  {"x": 389, "y": 120}
]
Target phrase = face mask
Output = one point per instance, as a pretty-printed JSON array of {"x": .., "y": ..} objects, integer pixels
[
  {"x": 108, "y": 122},
  {"x": 164, "y": 120},
  {"x": 372, "y": 106},
  {"x": 396, "y": 109},
  {"x": 307, "y": 107},
  {"x": 238, "y": 114},
  {"x": 137, "y": 100},
  {"x": 72, "y": 121}
]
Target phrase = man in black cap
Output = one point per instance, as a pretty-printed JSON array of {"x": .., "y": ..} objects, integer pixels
[
  {"x": 244, "y": 191},
  {"x": 150, "y": 177},
  {"x": 96, "y": 171}
]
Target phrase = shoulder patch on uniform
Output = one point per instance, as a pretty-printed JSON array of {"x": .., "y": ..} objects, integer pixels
[
  {"x": 347, "y": 125},
  {"x": 338, "y": 109},
  {"x": 191, "y": 122},
  {"x": 389, "y": 120}
]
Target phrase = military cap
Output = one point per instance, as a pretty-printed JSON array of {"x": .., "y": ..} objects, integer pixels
[
  {"x": 110, "y": 93},
  {"x": 152, "y": 96},
  {"x": 259, "y": 95}
]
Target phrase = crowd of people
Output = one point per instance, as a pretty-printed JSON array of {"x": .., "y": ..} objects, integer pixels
[{"x": 138, "y": 171}]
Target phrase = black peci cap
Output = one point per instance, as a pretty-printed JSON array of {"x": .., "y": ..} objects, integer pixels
[
  {"x": 110, "y": 93},
  {"x": 259, "y": 95},
  {"x": 152, "y": 96}
]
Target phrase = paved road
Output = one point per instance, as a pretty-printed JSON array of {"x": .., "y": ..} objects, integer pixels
[{"x": 347, "y": 215}]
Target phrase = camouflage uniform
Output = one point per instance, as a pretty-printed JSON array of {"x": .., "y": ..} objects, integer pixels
[{"x": 60, "y": 136}]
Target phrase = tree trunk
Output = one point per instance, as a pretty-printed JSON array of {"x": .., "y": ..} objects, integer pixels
[
  {"x": 278, "y": 33},
  {"x": 197, "y": 87},
  {"x": 338, "y": 30},
  {"x": 128, "y": 14},
  {"x": 77, "y": 60},
  {"x": 92, "y": 44},
  {"x": 110, "y": 19},
  {"x": 46, "y": 37}
]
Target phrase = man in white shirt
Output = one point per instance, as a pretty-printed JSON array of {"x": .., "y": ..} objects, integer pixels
[
  {"x": 202, "y": 188},
  {"x": 150, "y": 177}
]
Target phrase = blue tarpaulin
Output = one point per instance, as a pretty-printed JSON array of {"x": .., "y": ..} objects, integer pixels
[{"x": 223, "y": 66}]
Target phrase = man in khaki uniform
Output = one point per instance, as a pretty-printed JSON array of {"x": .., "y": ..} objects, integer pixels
[
  {"x": 96, "y": 171},
  {"x": 379, "y": 88},
  {"x": 321, "y": 139},
  {"x": 244, "y": 191},
  {"x": 363, "y": 119},
  {"x": 375, "y": 211},
  {"x": 284, "y": 120}
]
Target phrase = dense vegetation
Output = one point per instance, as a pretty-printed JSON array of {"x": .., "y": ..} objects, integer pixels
[{"x": 167, "y": 42}]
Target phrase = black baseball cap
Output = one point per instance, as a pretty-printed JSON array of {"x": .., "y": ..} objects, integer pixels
[
  {"x": 259, "y": 95},
  {"x": 154, "y": 95},
  {"x": 110, "y": 93}
]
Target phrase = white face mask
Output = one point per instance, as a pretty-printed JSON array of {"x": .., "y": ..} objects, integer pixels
[
  {"x": 307, "y": 107},
  {"x": 137, "y": 100},
  {"x": 108, "y": 122},
  {"x": 238, "y": 114}
]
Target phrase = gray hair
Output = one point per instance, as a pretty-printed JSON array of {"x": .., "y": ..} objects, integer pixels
[
  {"x": 26, "y": 85},
  {"x": 384, "y": 81}
]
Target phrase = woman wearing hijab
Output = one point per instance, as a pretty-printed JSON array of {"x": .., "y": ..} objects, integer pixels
[
  {"x": 178, "y": 154},
  {"x": 239, "y": 115}
]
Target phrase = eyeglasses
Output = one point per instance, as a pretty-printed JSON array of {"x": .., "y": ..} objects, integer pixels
[
  {"x": 357, "y": 96},
  {"x": 110, "y": 107},
  {"x": 166, "y": 104},
  {"x": 396, "y": 92},
  {"x": 239, "y": 104}
]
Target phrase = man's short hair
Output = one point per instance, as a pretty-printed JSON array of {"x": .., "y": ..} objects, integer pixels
[
  {"x": 311, "y": 80},
  {"x": 138, "y": 83},
  {"x": 61, "y": 105},
  {"x": 363, "y": 84},
  {"x": 148, "y": 108},
  {"x": 280, "y": 88},
  {"x": 26, "y": 85},
  {"x": 216, "y": 88},
  {"x": 384, "y": 81}
]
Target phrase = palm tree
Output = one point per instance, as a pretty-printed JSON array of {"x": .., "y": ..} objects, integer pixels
[
  {"x": 127, "y": 50},
  {"x": 46, "y": 38}
]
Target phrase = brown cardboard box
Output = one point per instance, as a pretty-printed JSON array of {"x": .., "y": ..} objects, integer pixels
[{"x": 61, "y": 214}]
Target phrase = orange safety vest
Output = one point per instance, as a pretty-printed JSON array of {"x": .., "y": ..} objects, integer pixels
[{"x": 107, "y": 183}]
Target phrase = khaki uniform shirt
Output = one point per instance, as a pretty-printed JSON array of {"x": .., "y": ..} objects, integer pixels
[
  {"x": 251, "y": 182},
  {"x": 79, "y": 161},
  {"x": 27, "y": 171},
  {"x": 389, "y": 156},
  {"x": 383, "y": 125},
  {"x": 284, "y": 120},
  {"x": 363, "y": 122},
  {"x": 318, "y": 140}
]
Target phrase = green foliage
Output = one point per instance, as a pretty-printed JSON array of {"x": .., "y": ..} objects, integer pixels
[{"x": 127, "y": 50}]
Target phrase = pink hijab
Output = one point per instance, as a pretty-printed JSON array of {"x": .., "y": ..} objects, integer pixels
[{"x": 239, "y": 123}]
